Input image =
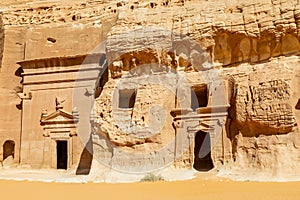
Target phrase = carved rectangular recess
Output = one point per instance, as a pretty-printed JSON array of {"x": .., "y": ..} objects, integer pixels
[
  {"x": 127, "y": 98},
  {"x": 199, "y": 96}
]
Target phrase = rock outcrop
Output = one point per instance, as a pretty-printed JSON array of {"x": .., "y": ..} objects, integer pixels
[{"x": 239, "y": 59}]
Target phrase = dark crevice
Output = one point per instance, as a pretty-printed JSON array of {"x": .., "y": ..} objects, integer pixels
[
  {"x": 103, "y": 75},
  {"x": 1, "y": 40},
  {"x": 85, "y": 162},
  {"x": 19, "y": 72},
  {"x": 52, "y": 40},
  {"x": 298, "y": 105}
]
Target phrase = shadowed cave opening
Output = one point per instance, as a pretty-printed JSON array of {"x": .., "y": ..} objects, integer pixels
[
  {"x": 8, "y": 149},
  {"x": 202, "y": 152}
]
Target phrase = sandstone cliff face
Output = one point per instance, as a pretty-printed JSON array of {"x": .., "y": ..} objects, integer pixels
[
  {"x": 29, "y": 33},
  {"x": 2, "y": 37},
  {"x": 238, "y": 37},
  {"x": 253, "y": 45},
  {"x": 264, "y": 119}
]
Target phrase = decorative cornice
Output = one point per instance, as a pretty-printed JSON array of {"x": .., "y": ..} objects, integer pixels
[
  {"x": 60, "y": 61},
  {"x": 180, "y": 111}
]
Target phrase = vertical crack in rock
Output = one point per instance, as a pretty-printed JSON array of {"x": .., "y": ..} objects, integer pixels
[{"x": 1, "y": 40}]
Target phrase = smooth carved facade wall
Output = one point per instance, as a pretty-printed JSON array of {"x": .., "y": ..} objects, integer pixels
[
  {"x": 23, "y": 41},
  {"x": 53, "y": 96}
]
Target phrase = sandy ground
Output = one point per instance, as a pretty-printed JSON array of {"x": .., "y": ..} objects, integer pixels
[
  {"x": 47, "y": 184},
  {"x": 192, "y": 189},
  {"x": 21, "y": 183}
]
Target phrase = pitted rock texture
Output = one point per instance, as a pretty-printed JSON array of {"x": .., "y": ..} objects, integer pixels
[{"x": 254, "y": 45}]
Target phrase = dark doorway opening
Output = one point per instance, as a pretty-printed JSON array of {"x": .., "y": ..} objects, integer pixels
[
  {"x": 199, "y": 96},
  {"x": 8, "y": 149},
  {"x": 62, "y": 154},
  {"x": 202, "y": 152}
]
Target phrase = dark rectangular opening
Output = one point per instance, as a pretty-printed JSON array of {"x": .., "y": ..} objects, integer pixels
[
  {"x": 199, "y": 96},
  {"x": 202, "y": 152},
  {"x": 127, "y": 98},
  {"x": 62, "y": 154}
]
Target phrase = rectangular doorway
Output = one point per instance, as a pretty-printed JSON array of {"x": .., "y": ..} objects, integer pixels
[
  {"x": 202, "y": 152},
  {"x": 62, "y": 154}
]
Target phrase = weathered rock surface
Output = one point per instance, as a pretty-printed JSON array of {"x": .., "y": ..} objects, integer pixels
[{"x": 253, "y": 45}]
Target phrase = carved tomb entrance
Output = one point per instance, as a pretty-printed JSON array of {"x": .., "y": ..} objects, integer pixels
[
  {"x": 202, "y": 153},
  {"x": 8, "y": 149},
  {"x": 62, "y": 154}
]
